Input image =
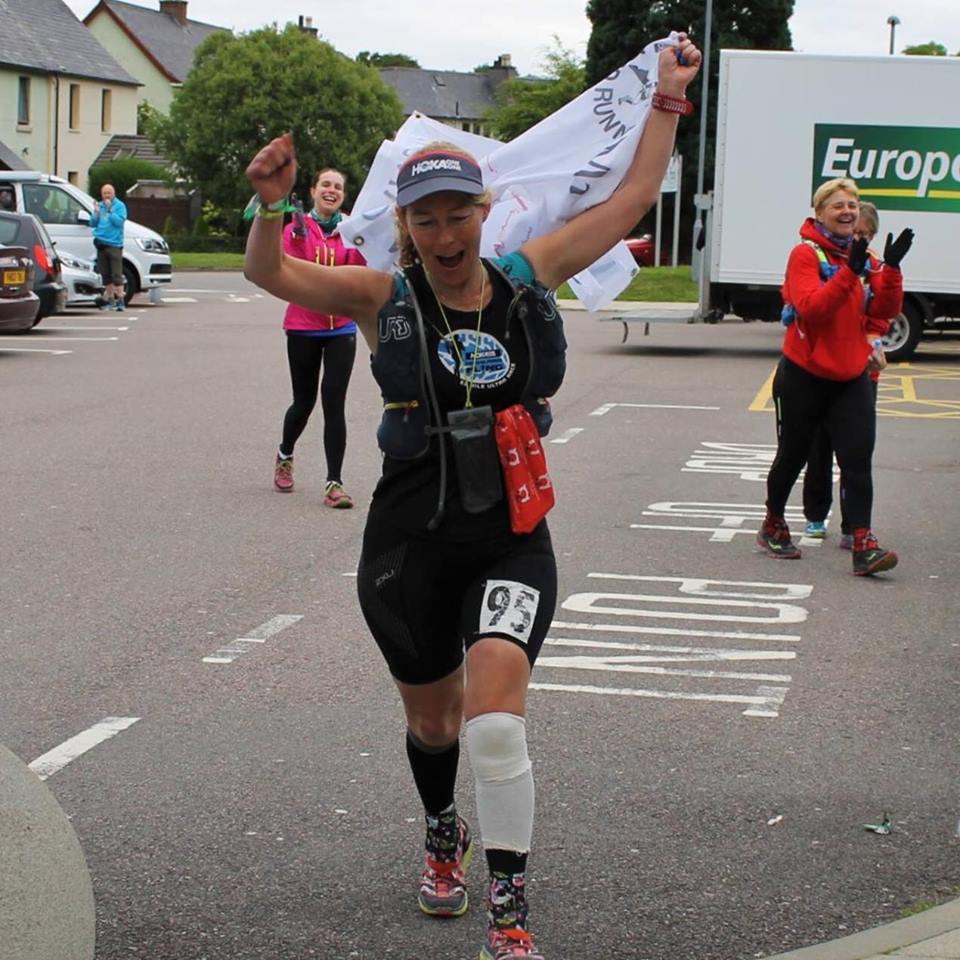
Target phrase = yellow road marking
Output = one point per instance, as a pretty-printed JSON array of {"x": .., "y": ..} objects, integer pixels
[{"x": 904, "y": 391}]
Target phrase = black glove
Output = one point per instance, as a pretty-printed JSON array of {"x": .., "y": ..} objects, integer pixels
[
  {"x": 857, "y": 257},
  {"x": 896, "y": 250}
]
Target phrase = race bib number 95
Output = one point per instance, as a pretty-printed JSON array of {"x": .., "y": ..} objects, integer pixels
[{"x": 509, "y": 608}]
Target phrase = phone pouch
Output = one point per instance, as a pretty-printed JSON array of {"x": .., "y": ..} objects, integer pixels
[
  {"x": 529, "y": 490},
  {"x": 475, "y": 454}
]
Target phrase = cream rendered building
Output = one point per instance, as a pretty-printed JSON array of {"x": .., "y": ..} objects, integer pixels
[{"x": 62, "y": 95}]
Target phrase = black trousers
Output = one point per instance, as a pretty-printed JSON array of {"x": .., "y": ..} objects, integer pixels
[
  {"x": 846, "y": 411},
  {"x": 307, "y": 356},
  {"x": 818, "y": 478}
]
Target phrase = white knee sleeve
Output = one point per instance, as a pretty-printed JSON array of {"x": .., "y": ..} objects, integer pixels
[{"x": 497, "y": 744}]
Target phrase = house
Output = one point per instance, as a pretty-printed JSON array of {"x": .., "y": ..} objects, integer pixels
[
  {"x": 62, "y": 95},
  {"x": 155, "y": 45},
  {"x": 461, "y": 100}
]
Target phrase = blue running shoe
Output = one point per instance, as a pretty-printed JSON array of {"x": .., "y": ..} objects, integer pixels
[{"x": 816, "y": 529}]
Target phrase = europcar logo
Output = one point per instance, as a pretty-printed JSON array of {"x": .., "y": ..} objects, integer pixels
[{"x": 897, "y": 168}]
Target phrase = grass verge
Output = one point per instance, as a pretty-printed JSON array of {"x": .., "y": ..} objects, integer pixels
[
  {"x": 206, "y": 261},
  {"x": 664, "y": 284}
]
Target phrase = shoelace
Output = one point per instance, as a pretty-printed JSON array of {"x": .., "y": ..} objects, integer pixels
[{"x": 285, "y": 467}]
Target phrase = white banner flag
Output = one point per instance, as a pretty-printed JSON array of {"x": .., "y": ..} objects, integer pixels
[{"x": 567, "y": 163}]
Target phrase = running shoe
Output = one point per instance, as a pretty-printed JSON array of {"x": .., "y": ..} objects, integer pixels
[
  {"x": 120, "y": 306},
  {"x": 816, "y": 529},
  {"x": 774, "y": 538},
  {"x": 336, "y": 496},
  {"x": 283, "y": 474},
  {"x": 509, "y": 943},
  {"x": 507, "y": 934},
  {"x": 102, "y": 303},
  {"x": 443, "y": 891},
  {"x": 846, "y": 541},
  {"x": 869, "y": 557}
]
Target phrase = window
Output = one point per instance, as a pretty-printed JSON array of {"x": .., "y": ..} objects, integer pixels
[
  {"x": 50, "y": 203},
  {"x": 23, "y": 102},
  {"x": 105, "y": 99},
  {"x": 74, "y": 121}
]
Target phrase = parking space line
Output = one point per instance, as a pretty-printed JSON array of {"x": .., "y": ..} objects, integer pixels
[
  {"x": 56, "y": 353},
  {"x": 71, "y": 339},
  {"x": 48, "y": 327},
  {"x": 56, "y": 759},
  {"x": 607, "y": 407}
]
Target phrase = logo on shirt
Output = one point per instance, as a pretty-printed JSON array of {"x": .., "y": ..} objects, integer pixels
[{"x": 485, "y": 360}]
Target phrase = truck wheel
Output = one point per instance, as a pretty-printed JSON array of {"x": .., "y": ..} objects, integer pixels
[
  {"x": 130, "y": 285},
  {"x": 904, "y": 333}
]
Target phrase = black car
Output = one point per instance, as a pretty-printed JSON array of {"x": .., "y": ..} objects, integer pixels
[
  {"x": 26, "y": 230},
  {"x": 18, "y": 303}
]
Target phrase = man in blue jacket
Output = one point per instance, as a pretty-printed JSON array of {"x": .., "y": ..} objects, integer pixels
[{"x": 107, "y": 221}]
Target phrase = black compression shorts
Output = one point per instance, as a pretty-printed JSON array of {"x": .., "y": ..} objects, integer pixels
[{"x": 426, "y": 600}]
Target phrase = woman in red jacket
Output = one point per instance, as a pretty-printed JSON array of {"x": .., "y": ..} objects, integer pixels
[
  {"x": 837, "y": 300},
  {"x": 318, "y": 341}
]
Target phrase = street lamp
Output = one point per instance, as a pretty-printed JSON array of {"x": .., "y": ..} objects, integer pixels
[{"x": 892, "y": 21}]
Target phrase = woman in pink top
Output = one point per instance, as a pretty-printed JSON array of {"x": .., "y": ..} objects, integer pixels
[{"x": 318, "y": 341}]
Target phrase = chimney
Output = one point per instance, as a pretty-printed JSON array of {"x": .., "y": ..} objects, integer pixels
[
  {"x": 502, "y": 69},
  {"x": 176, "y": 9},
  {"x": 306, "y": 25}
]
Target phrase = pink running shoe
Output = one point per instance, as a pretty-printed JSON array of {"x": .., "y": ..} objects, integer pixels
[
  {"x": 283, "y": 474},
  {"x": 337, "y": 497},
  {"x": 443, "y": 891}
]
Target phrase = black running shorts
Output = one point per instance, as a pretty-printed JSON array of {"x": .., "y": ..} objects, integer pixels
[{"x": 426, "y": 600}]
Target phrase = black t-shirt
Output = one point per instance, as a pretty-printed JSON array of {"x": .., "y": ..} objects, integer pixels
[{"x": 408, "y": 491}]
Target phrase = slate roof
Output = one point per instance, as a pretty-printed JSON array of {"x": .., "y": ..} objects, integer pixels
[
  {"x": 167, "y": 42},
  {"x": 442, "y": 93},
  {"x": 131, "y": 145},
  {"x": 44, "y": 36}
]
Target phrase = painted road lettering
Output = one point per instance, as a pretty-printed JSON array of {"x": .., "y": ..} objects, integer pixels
[{"x": 747, "y": 612}]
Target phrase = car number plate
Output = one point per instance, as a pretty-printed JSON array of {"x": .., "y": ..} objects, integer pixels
[{"x": 14, "y": 276}]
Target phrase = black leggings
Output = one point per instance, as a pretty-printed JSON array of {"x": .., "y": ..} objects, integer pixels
[
  {"x": 846, "y": 410},
  {"x": 306, "y": 355},
  {"x": 818, "y": 478}
]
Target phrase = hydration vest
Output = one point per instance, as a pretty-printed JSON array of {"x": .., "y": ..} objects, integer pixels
[
  {"x": 828, "y": 270},
  {"x": 411, "y": 413}
]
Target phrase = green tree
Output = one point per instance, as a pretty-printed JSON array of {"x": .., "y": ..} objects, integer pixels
[
  {"x": 245, "y": 90},
  {"x": 523, "y": 102},
  {"x": 621, "y": 28},
  {"x": 930, "y": 49},
  {"x": 385, "y": 59}
]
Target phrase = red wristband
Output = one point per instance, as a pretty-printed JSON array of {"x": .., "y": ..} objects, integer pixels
[{"x": 679, "y": 105}]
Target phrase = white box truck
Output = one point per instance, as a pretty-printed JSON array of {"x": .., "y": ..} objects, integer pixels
[{"x": 786, "y": 123}]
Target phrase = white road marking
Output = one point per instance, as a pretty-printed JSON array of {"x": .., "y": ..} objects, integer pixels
[
  {"x": 56, "y": 759},
  {"x": 179, "y": 299},
  {"x": 56, "y": 353},
  {"x": 230, "y": 652},
  {"x": 232, "y": 299},
  {"x": 567, "y": 435},
  {"x": 71, "y": 339},
  {"x": 675, "y": 663},
  {"x": 677, "y": 631},
  {"x": 734, "y": 519},
  {"x": 607, "y": 407},
  {"x": 765, "y": 703},
  {"x": 47, "y": 326},
  {"x": 749, "y": 461}
]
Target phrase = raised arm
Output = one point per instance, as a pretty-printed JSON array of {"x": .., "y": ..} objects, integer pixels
[
  {"x": 355, "y": 292},
  {"x": 559, "y": 255}
]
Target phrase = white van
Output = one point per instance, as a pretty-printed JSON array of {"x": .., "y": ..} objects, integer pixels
[{"x": 66, "y": 210}]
